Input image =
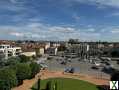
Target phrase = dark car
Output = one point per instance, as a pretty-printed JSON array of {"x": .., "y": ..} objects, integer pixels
[
  {"x": 94, "y": 67},
  {"x": 117, "y": 62},
  {"x": 63, "y": 62},
  {"x": 106, "y": 63},
  {"x": 69, "y": 70},
  {"x": 108, "y": 69}
]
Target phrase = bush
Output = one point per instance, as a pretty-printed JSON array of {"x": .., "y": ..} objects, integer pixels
[
  {"x": 7, "y": 79},
  {"x": 23, "y": 71},
  {"x": 35, "y": 68}
]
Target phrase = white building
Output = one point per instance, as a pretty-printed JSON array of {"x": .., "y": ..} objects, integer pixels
[
  {"x": 41, "y": 51},
  {"x": 29, "y": 54},
  {"x": 47, "y": 45},
  {"x": 8, "y": 50}
]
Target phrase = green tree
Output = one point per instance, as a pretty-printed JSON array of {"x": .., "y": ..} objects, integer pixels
[
  {"x": 7, "y": 78},
  {"x": 56, "y": 88},
  {"x": 12, "y": 61},
  {"x": 2, "y": 63},
  {"x": 62, "y": 48},
  {"x": 39, "y": 80},
  {"x": 115, "y": 53},
  {"x": 24, "y": 58},
  {"x": 115, "y": 76},
  {"x": 35, "y": 68},
  {"x": 23, "y": 71},
  {"x": 49, "y": 85}
]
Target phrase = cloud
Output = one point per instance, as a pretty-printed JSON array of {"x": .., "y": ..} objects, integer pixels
[
  {"x": 90, "y": 30},
  {"x": 13, "y": 1},
  {"x": 90, "y": 36},
  {"x": 62, "y": 29},
  {"x": 76, "y": 17},
  {"x": 115, "y": 31},
  {"x": 18, "y": 1},
  {"x": 39, "y": 31},
  {"x": 116, "y": 14},
  {"x": 112, "y": 3},
  {"x": 16, "y": 34},
  {"x": 110, "y": 29}
]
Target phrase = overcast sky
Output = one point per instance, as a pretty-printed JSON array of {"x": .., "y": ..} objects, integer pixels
[{"x": 59, "y": 19}]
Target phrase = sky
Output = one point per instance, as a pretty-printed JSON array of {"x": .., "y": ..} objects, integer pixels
[{"x": 86, "y": 20}]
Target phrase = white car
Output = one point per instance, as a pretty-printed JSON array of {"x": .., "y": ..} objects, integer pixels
[
  {"x": 44, "y": 66},
  {"x": 109, "y": 59},
  {"x": 97, "y": 64}
]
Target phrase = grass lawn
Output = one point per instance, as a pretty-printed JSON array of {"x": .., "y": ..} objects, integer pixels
[{"x": 68, "y": 84}]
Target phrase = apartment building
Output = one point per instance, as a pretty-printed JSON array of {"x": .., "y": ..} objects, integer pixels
[{"x": 8, "y": 50}]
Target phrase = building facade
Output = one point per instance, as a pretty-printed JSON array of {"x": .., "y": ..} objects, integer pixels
[{"x": 9, "y": 50}]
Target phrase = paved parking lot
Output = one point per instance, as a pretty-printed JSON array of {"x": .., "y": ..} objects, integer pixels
[{"x": 79, "y": 66}]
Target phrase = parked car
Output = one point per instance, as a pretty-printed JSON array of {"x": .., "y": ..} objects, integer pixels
[
  {"x": 69, "y": 70},
  {"x": 94, "y": 67},
  {"x": 97, "y": 64},
  {"x": 106, "y": 63},
  {"x": 108, "y": 69},
  {"x": 117, "y": 62},
  {"x": 63, "y": 62},
  {"x": 44, "y": 66}
]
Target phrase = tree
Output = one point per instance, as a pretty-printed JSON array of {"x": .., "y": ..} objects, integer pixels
[
  {"x": 55, "y": 86},
  {"x": 7, "y": 79},
  {"x": 23, "y": 71},
  {"x": 62, "y": 48},
  {"x": 115, "y": 76},
  {"x": 115, "y": 53},
  {"x": 49, "y": 85},
  {"x": 35, "y": 68},
  {"x": 24, "y": 58},
  {"x": 12, "y": 61},
  {"x": 2, "y": 63},
  {"x": 39, "y": 80},
  {"x": 73, "y": 41}
]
